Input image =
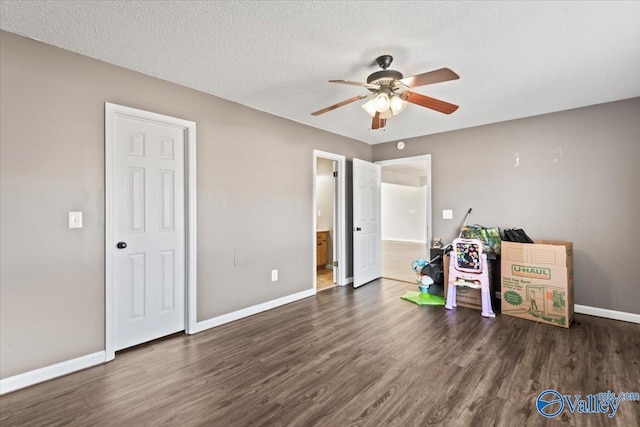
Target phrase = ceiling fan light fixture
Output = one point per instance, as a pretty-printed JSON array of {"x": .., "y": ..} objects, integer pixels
[
  {"x": 397, "y": 104},
  {"x": 369, "y": 107},
  {"x": 381, "y": 102},
  {"x": 387, "y": 114},
  {"x": 385, "y": 105}
]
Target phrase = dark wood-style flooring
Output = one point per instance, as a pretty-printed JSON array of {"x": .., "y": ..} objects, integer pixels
[{"x": 348, "y": 358}]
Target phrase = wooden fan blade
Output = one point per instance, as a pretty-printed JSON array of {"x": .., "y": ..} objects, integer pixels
[
  {"x": 375, "y": 124},
  {"x": 352, "y": 83},
  {"x": 437, "y": 76},
  {"x": 338, "y": 105},
  {"x": 432, "y": 103},
  {"x": 378, "y": 123}
]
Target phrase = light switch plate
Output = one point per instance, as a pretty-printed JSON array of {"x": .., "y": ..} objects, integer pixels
[
  {"x": 75, "y": 219},
  {"x": 447, "y": 214}
]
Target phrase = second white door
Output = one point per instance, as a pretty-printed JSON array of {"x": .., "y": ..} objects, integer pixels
[
  {"x": 367, "y": 226},
  {"x": 149, "y": 228}
]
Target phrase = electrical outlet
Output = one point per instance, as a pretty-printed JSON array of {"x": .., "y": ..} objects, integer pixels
[
  {"x": 447, "y": 214},
  {"x": 274, "y": 275}
]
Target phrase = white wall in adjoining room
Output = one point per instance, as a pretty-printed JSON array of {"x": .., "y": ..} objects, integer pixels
[
  {"x": 404, "y": 213},
  {"x": 324, "y": 193}
]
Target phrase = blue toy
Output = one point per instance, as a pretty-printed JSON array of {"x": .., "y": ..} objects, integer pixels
[{"x": 418, "y": 265}]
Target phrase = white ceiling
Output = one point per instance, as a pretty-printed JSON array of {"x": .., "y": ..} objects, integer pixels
[{"x": 515, "y": 59}]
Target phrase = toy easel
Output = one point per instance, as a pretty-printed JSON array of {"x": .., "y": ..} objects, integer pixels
[{"x": 468, "y": 267}]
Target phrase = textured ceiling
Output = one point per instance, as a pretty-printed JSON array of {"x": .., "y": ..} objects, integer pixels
[{"x": 515, "y": 59}]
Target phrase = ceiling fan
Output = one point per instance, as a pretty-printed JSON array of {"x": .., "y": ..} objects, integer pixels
[{"x": 389, "y": 92}]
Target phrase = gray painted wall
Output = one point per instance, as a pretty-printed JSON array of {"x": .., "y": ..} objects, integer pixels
[
  {"x": 254, "y": 177},
  {"x": 589, "y": 194}
]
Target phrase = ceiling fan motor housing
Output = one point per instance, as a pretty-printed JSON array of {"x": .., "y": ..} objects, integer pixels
[{"x": 384, "y": 77}]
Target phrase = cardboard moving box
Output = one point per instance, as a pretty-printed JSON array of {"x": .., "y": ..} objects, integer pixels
[{"x": 537, "y": 281}]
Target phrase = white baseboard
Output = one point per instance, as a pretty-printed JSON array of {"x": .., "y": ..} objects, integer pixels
[
  {"x": 46, "y": 373},
  {"x": 249, "y": 311},
  {"x": 609, "y": 314},
  {"x": 349, "y": 280},
  {"x": 602, "y": 312},
  {"x": 50, "y": 372}
]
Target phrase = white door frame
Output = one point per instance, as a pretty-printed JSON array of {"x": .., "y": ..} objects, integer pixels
[
  {"x": 339, "y": 219},
  {"x": 111, "y": 112},
  {"x": 429, "y": 209}
]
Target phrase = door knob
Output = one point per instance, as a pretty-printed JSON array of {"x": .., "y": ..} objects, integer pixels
[
  {"x": 121, "y": 245},
  {"x": 357, "y": 229}
]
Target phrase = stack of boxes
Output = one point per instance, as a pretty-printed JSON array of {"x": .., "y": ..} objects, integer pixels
[{"x": 537, "y": 281}]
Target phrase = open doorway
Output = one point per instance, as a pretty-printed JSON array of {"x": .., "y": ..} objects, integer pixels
[
  {"x": 328, "y": 220},
  {"x": 325, "y": 212},
  {"x": 405, "y": 215}
]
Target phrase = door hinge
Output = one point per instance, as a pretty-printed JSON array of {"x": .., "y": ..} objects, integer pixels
[
  {"x": 335, "y": 263},
  {"x": 335, "y": 174}
]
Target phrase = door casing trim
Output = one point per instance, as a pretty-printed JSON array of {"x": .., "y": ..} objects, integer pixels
[{"x": 111, "y": 112}]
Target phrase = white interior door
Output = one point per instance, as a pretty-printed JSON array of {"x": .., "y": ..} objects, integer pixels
[
  {"x": 149, "y": 218},
  {"x": 367, "y": 227}
]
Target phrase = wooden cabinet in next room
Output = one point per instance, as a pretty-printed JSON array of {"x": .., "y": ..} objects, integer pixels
[{"x": 322, "y": 241}]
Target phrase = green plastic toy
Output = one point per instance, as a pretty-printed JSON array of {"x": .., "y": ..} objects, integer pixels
[{"x": 423, "y": 297}]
